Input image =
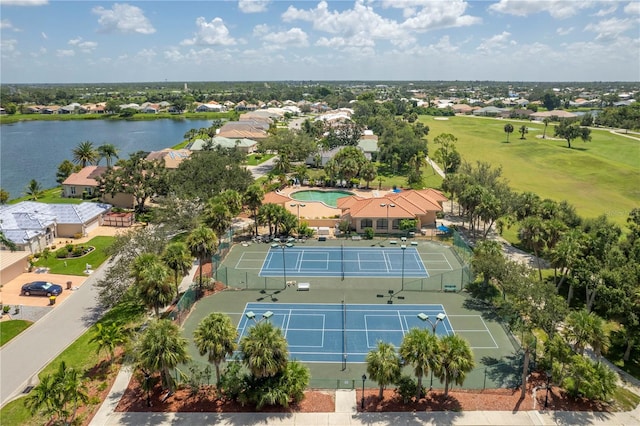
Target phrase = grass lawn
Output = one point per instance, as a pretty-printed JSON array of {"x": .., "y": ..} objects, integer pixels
[
  {"x": 80, "y": 355},
  {"x": 10, "y": 329},
  {"x": 255, "y": 159},
  {"x": 76, "y": 266},
  {"x": 50, "y": 196},
  {"x": 597, "y": 177}
]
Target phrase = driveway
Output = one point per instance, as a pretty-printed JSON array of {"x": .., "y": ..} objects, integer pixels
[{"x": 28, "y": 353}]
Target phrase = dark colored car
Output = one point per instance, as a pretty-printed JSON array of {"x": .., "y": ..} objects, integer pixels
[{"x": 41, "y": 288}]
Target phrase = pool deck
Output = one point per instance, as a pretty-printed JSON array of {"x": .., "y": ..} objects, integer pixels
[{"x": 318, "y": 210}]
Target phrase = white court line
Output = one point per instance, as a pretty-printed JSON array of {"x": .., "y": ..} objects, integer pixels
[
  {"x": 242, "y": 259},
  {"x": 487, "y": 328}
]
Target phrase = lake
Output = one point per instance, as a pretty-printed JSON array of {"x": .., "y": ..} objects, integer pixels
[{"x": 35, "y": 149}]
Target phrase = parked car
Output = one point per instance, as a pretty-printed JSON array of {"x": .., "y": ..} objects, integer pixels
[{"x": 41, "y": 288}]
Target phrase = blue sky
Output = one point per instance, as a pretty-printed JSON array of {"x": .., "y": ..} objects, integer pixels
[{"x": 516, "y": 40}]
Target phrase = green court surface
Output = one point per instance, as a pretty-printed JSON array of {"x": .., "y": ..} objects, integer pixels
[{"x": 497, "y": 361}]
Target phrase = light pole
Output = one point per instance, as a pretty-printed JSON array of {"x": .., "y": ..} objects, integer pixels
[
  {"x": 546, "y": 396},
  {"x": 298, "y": 205},
  {"x": 387, "y": 205},
  {"x": 284, "y": 265},
  {"x": 434, "y": 324},
  {"x": 364, "y": 379},
  {"x": 403, "y": 248}
]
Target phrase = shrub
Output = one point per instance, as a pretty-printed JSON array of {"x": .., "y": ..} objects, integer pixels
[
  {"x": 406, "y": 388},
  {"x": 6, "y": 309},
  {"x": 77, "y": 235},
  {"x": 369, "y": 233}
]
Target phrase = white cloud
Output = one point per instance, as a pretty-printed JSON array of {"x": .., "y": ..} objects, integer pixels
[
  {"x": 6, "y": 24},
  {"x": 605, "y": 12},
  {"x": 632, "y": 8},
  {"x": 62, "y": 53},
  {"x": 210, "y": 33},
  {"x": 610, "y": 29},
  {"x": 361, "y": 22},
  {"x": 438, "y": 15},
  {"x": 497, "y": 42},
  {"x": 84, "y": 46},
  {"x": 295, "y": 37},
  {"x": 8, "y": 45},
  {"x": 559, "y": 9},
  {"x": 24, "y": 2},
  {"x": 146, "y": 54},
  {"x": 253, "y": 6},
  {"x": 123, "y": 18},
  {"x": 564, "y": 31},
  {"x": 44, "y": 35},
  {"x": 444, "y": 45},
  {"x": 261, "y": 30}
]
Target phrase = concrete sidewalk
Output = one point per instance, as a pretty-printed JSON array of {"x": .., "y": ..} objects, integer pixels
[{"x": 346, "y": 414}]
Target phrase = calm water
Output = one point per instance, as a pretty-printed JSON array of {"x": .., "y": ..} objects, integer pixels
[{"x": 33, "y": 150}]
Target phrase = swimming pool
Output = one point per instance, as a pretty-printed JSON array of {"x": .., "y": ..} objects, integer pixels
[{"x": 330, "y": 198}]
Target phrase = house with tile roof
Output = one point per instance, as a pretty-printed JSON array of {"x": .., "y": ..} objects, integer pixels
[
  {"x": 384, "y": 214},
  {"x": 32, "y": 225},
  {"x": 171, "y": 157},
  {"x": 84, "y": 184}
]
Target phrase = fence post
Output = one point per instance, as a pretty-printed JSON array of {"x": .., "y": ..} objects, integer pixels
[{"x": 484, "y": 384}]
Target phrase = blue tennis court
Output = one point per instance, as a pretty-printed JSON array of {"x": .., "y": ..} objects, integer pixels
[
  {"x": 343, "y": 261},
  {"x": 338, "y": 332}
]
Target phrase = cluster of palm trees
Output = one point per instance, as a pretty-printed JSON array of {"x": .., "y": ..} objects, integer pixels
[
  {"x": 449, "y": 358},
  {"x": 269, "y": 378},
  {"x": 86, "y": 154}
]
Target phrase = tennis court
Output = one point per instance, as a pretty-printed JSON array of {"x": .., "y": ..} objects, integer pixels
[
  {"x": 347, "y": 262},
  {"x": 332, "y": 333}
]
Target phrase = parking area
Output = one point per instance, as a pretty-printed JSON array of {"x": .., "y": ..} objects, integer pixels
[{"x": 11, "y": 290}]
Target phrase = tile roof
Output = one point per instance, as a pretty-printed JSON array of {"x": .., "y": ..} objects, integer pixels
[
  {"x": 85, "y": 177},
  {"x": 405, "y": 204},
  {"x": 274, "y": 198},
  {"x": 172, "y": 157}
]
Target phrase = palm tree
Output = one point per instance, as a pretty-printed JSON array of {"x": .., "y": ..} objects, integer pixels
[
  {"x": 216, "y": 337},
  {"x": 383, "y": 365},
  {"x": 532, "y": 233},
  {"x": 217, "y": 216},
  {"x": 178, "y": 258},
  {"x": 253, "y": 200},
  {"x": 369, "y": 172},
  {"x": 44, "y": 398},
  {"x": 7, "y": 242},
  {"x": 152, "y": 280},
  {"x": 161, "y": 349},
  {"x": 584, "y": 328},
  {"x": 107, "y": 151},
  {"x": 203, "y": 243},
  {"x": 508, "y": 129},
  {"x": 418, "y": 349},
  {"x": 73, "y": 389},
  {"x": 265, "y": 350},
  {"x": 85, "y": 154},
  {"x": 232, "y": 199},
  {"x": 454, "y": 361},
  {"x": 108, "y": 338},
  {"x": 34, "y": 190},
  {"x": 523, "y": 131},
  {"x": 546, "y": 122}
]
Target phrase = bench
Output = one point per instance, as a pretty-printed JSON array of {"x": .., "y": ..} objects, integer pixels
[
  {"x": 356, "y": 238},
  {"x": 304, "y": 286},
  {"x": 393, "y": 242},
  {"x": 450, "y": 288},
  {"x": 414, "y": 243}
]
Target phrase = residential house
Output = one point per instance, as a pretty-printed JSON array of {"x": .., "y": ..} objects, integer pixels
[
  {"x": 384, "y": 214},
  {"x": 211, "y": 107},
  {"x": 32, "y": 225},
  {"x": 462, "y": 109},
  {"x": 171, "y": 157},
  {"x": 84, "y": 184},
  {"x": 554, "y": 115},
  {"x": 249, "y": 129}
]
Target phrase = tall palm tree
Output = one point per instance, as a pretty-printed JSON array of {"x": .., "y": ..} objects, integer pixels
[
  {"x": 418, "y": 349},
  {"x": 203, "y": 243},
  {"x": 523, "y": 131},
  {"x": 216, "y": 337},
  {"x": 108, "y": 337},
  {"x": 265, "y": 350},
  {"x": 73, "y": 390},
  {"x": 383, "y": 365},
  {"x": 152, "y": 281},
  {"x": 454, "y": 360},
  {"x": 232, "y": 199},
  {"x": 85, "y": 154},
  {"x": 108, "y": 151},
  {"x": 546, "y": 122},
  {"x": 44, "y": 398},
  {"x": 217, "y": 216},
  {"x": 532, "y": 233},
  {"x": 584, "y": 328},
  {"x": 161, "y": 349},
  {"x": 508, "y": 129},
  {"x": 253, "y": 200},
  {"x": 34, "y": 190},
  {"x": 178, "y": 258}
]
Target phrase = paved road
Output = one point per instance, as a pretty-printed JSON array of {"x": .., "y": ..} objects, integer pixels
[{"x": 23, "y": 357}]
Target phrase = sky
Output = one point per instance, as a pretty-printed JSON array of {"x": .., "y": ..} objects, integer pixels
[{"x": 51, "y": 41}]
